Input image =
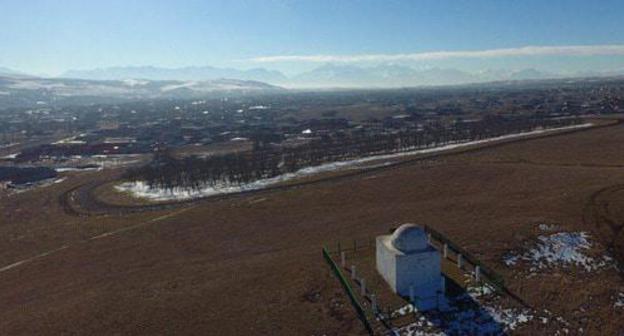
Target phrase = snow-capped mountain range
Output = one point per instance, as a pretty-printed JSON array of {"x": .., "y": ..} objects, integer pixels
[
  {"x": 332, "y": 75},
  {"x": 19, "y": 90},
  {"x": 123, "y": 83}
]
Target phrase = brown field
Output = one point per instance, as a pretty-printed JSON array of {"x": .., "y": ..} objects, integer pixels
[
  {"x": 213, "y": 149},
  {"x": 251, "y": 264}
]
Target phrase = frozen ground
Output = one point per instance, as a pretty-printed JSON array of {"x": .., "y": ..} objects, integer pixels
[
  {"x": 74, "y": 169},
  {"x": 10, "y": 156},
  {"x": 71, "y": 141},
  {"x": 548, "y": 227},
  {"x": 485, "y": 320},
  {"x": 9, "y": 145},
  {"x": 619, "y": 302},
  {"x": 99, "y": 162},
  {"x": 31, "y": 186},
  {"x": 142, "y": 190},
  {"x": 562, "y": 249},
  {"x": 478, "y": 312}
]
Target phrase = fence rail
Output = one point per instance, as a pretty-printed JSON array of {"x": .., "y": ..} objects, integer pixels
[
  {"x": 495, "y": 279},
  {"x": 361, "y": 313}
]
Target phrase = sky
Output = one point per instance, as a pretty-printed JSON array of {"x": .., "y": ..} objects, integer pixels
[{"x": 52, "y": 36}]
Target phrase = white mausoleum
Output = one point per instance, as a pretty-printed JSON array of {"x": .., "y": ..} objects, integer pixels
[{"x": 411, "y": 266}]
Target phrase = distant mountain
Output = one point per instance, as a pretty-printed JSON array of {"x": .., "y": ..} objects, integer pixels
[
  {"x": 325, "y": 76},
  {"x": 186, "y": 73},
  {"x": 30, "y": 91},
  {"x": 388, "y": 75},
  {"x": 392, "y": 75},
  {"x": 10, "y": 72},
  {"x": 531, "y": 74}
]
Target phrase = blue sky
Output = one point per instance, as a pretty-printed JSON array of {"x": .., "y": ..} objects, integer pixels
[{"x": 50, "y": 36}]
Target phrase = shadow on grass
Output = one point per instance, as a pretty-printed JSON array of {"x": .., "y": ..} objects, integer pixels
[{"x": 461, "y": 314}]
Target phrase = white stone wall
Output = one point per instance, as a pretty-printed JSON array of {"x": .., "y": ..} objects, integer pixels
[
  {"x": 420, "y": 270},
  {"x": 386, "y": 262}
]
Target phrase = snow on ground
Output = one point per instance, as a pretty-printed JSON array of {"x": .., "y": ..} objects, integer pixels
[
  {"x": 98, "y": 162},
  {"x": 142, "y": 190},
  {"x": 562, "y": 249},
  {"x": 18, "y": 189},
  {"x": 75, "y": 169},
  {"x": 619, "y": 302},
  {"x": 134, "y": 82},
  {"x": 547, "y": 227},
  {"x": 70, "y": 141},
  {"x": 9, "y": 145},
  {"x": 479, "y": 321},
  {"x": 466, "y": 315},
  {"x": 10, "y": 156},
  {"x": 258, "y": 107},
  {"x": 480, "y": 311}
]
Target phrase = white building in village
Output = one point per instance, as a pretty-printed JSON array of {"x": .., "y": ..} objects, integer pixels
[{"x": 411, "y": 266}]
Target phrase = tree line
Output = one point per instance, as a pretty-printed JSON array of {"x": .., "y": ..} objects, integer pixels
[{"x": 235, "y": 169}]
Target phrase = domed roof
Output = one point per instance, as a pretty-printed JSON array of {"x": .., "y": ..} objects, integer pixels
[{"x": 410, "y": 238}]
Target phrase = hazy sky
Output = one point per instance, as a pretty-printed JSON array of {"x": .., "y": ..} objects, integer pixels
[{"x": 50, "y": 36}]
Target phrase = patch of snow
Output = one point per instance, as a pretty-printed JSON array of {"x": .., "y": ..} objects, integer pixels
[
  {"x": 18, "y": 189},
  {"x": 560, "y": 249},
  {"x": 510, "y": 318},
  {"x": 142, "y": 190},
  {"x": 548, "y": 228},
  {"x": 70, "y": 141},
  {"x": 619, "y": 302},
  {"x": 172, "y": 87},
  {"x": 11, "y": 156},
  {"x": 134, "y": 82},
  {"x": 476, "y": 292},
  {"x": 258, "y": 107},
  {"x": 9, "y": 145},
  {"x": 308, "y": 131},
  {"x": 368, "y": 166},
  {"x": 474, "y": 320},
  {"x": 239, "y": 139},
  {"x": 74, "y": 169},
  {"x": 407, "y": 309},
  {"x": 510, "y": 260},
  {"x": 60, "y": 180},
  {"x": 478, "y": 312}
]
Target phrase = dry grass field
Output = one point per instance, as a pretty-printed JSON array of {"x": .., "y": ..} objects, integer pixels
[{"x": 252, "y": 265}]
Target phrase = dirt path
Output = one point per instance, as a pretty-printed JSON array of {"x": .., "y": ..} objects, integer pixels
[{"x": 100, "y": 236}]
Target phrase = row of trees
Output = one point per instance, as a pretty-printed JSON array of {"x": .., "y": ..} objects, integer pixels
[{"x": 167, "y": 172}]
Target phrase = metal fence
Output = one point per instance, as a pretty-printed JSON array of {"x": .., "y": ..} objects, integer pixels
[{"x": 361, "y": 313}]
